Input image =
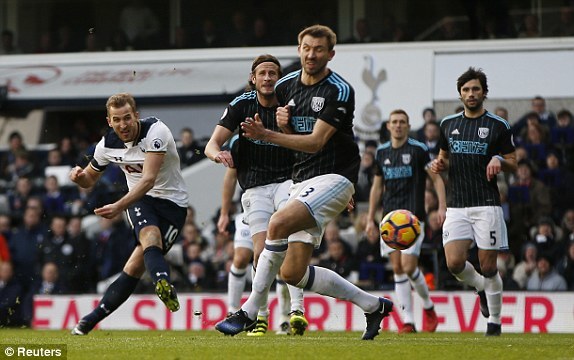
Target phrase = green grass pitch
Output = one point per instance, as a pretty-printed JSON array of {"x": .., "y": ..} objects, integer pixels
[{"x": 171, "y": 345}]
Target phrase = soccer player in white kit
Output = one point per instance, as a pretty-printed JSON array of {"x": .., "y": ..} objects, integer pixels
[{"x": 156, "y": 201}]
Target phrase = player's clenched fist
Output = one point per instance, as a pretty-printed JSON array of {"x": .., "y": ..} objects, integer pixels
[
  {"x": 282, "y": 116},
  {"x": 77, "y": 173},
  {"x": 437, "y": 166}
]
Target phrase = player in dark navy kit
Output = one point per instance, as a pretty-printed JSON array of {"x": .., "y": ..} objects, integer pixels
[
  {"x": 402, "y": 165},
  {"x": 475, "y": 146},
  {"x": 317, "y": 105},
  {"x": 263, "y": 171},
  {"x": 156, "y": 203}
]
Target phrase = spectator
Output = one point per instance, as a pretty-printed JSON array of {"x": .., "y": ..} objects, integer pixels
[
  {"x": 431, "y": 131},
  {"x": 92, "y": 43},
  {"x": 18, "y": 197},
  {"x": 362, "y": 33},
  {"x": 180, "y": 39},
  {"x": 365, "y": 180},
  {"x": 189, "y": 150},
  {"x": 208, "y": 36},
  {"x": 526, "y": 266},
  {"x": 389, "y": 24},
  {"x": 15, "y": 145},
  {"x": 81, "y": 275},
  {"x": 23, "y": 166},
  {"x": 221, "y": 256},
  {"x": 56, "y": 246},
  {"x": 5, "y": 226},
  {"x": 24, "y": 249},
  {"x": 141, "y": 25},
  {"x": 119, "y": 41},
  {"x": 238, "y": 34},
  {"x": 370, "y": 262},
  {"x": 567, "y": 225},
  {"x": 8, "y": 46},
  {"x": 114, "y": 244},
  {"x": 67, "y": 150},
  {"x": 505, "y": 263},
  {"x": 4, "y": 247},
  {"x": 85, "y": 200},
  {"x": 331, "y": 234},
  {"x": 50, "y": 283},
  {"x": 54, "y": 158},
  {"x": 529, "y": 200},
  {"x": 429, "y": 115},
  {"x": 530, "y": 27},
  {"x": 565, "y": 26},
  {"x": 449, "y": 30},
  {"x": 562, "y": 137},
  {"x": 199, "y": 271},
  {"x": 10, "y": 295},
  {"x": 535, "y": 141},
  {"x": 502, "y": 112},
  {"x": 371, "y": 146},
  {"x": 261, "y": 36},
  {"x": 565, "y": 265},
  {"x": 545, "y": 277},
  {"x": 66, "y": 42},
  {"x": 337, "y": 259},
  {"x": 45, "y": 43},
  {"x": 537, "y": 105},
  {"x": 559, "y": 180},
  {"x": 53, "y": 200}
]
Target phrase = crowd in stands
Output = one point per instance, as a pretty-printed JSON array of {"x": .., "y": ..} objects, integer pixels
[{"x": 140, "y": 29}]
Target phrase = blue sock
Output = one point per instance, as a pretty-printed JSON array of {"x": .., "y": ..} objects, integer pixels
[
  {"x": 115, "y": 295},
  {"x": 155, "y": 264}
]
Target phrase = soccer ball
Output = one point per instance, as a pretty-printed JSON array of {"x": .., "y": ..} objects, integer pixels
[{"x": 400, "y": 229}]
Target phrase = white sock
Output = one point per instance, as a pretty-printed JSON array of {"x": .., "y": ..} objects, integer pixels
[
  {"x": 327, "y": 282},
  {"x": 282, "y": 300},
  {"x": 471, "y": 277},
  {"x": 493, "y": 291},
  {"x": 420, "y": 285},
  {"x": 267, "y": 268},
  {"x": 296, "y": 295},
  {"x": 235, "y": 286},
  {"x": 403, "y": 291}
]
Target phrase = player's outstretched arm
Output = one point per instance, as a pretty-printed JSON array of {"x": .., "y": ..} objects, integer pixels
[
  {"x": 213, "y": 148},
  {"x": 151, "y": 167},
  {"x": 309, "y": 143},
  {"x": 84, "y": 177}
]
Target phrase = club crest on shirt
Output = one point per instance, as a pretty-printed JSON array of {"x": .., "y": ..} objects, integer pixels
[
  {"x": 483, "y": 132},
  {"x": 406, "y": 158},
  {"x": 317, "y": 103}
]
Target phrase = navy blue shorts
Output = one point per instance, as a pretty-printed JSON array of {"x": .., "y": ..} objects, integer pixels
[{"x": 165, "y": 214}]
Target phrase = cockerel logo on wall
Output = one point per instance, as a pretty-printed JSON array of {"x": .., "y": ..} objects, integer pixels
[{"x": 368, "y": 124}]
